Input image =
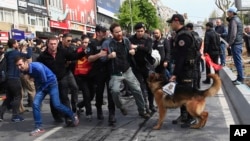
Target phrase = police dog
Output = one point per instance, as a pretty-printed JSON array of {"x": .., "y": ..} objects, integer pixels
[{"x": 194, "y": 100}]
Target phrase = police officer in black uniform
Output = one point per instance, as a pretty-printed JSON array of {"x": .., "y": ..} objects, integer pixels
[
  {"x": 184, "y": 60},
  {"x": 100, "y": 73}
]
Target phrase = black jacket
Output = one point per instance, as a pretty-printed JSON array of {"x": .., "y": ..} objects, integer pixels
[
  {"x": 210, "y": 37},
  {"x": 143, "y": 50},
  {"x": 163, "y": 47},
  {"x": 57, "y": 64}
]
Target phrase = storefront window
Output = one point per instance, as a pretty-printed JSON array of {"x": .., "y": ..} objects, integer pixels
[
  {"x": 41, "y": 21},
  {"x": 36, "y": 20},
  {"x": 9, "y": 16},
  {"x": 32, "y": 20}
]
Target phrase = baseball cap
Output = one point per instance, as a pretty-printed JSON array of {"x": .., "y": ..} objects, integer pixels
[
  {"x": 139, "y": 25},
  {"x": 176, "y": 17},
  {"x": 100, "y": 28},
  {"x": 232, "y": 9}
]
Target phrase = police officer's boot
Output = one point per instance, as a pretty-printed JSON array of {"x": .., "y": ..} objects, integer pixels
[
  {"x": 183, "y": 117},
  {"x": 190, "y": 121}
]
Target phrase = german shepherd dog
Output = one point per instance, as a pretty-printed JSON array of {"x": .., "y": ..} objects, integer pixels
[{"x": 194, "y": 100}]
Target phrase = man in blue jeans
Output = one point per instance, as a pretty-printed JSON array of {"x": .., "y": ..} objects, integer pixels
[
  {"x": 235, "y": 41},
  {"x": 45, "y": 82}
]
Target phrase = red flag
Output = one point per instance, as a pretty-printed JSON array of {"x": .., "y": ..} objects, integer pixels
[{"x": 210, "y": 63}]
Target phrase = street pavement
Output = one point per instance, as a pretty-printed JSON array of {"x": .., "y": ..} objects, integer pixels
[{"x": 128, "y": 128}]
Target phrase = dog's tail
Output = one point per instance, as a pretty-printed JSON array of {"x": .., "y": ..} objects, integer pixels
[{"x": 213, "y": 90}]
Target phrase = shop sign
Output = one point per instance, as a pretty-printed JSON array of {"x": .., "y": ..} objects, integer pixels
[
  {"x": 31, "y": 8},
  {"x": 29, "y": 35},
  {"x": 57, "y": 24},
  {"x": 17, "y": 34},
  {"x": 4, "y": 37},
  {"x": 75, "y": 26}
]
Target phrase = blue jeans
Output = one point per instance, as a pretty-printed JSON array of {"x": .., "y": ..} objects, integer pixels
[
  {"x": 236, "y": 53},
  {"x": 52, "y": 89},
  {"x": 223, "y": 54}
]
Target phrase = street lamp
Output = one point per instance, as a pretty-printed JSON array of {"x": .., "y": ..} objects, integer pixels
[{"x": 131, "y": 21}]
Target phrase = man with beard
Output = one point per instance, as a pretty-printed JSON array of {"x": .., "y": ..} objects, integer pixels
[
  {"x": 162, "y": 45},
  {"x": 120, "y": 53}
]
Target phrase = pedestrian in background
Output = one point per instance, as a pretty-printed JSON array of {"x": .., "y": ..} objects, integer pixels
[
  {"x": 13, "y": 82},
  {"x": 246, "y": 36},
  {"x": 235, "y": 41},
  {"x": 222, "y": 31},
  {"x": 211, "y": 47}
]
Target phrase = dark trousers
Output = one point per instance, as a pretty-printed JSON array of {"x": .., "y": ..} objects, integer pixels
[
  {"x": 86, "y": 86},
  {"x": 141, "y": 74},
  {"x": 102, "y": 79},
  {"x": 13, "y": 96}
]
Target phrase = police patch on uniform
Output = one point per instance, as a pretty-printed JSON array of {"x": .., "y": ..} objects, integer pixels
[{"x": 181, "y": 43}]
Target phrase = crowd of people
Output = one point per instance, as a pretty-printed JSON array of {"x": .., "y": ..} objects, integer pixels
[{"x": 64, "y": 66}]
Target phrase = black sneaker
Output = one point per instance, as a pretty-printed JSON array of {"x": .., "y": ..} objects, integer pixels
[
  {"x": 153, "y": 109},
  {"x": 112, "y": 119},
  {"x": 124, "y": 111},
  {"x": 99, "y": 114},
  {"x": 17, "y": 118},
  {"x": 27, "y": 105},
  {"x": 145, "y": 115},
  {"x": 188, "y": 123},
  {"x": 180, "y": 119}
]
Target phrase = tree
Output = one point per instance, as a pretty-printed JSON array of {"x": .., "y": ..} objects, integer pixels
[
  {"x": 148, "y": 14},
  {"x": 125, "y": 15},
  {"x": 223, "y": 5},
  {"x": 141, "y": 11}
]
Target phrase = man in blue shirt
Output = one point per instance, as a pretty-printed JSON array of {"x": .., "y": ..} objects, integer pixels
[{"x": 45, "y": 82}]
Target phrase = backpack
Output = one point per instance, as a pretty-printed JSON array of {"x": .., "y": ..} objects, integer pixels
[{"x": 198, "y": 40}]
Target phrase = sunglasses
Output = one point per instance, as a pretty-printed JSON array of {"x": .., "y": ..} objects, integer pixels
[{"x": 69, "y": 40}]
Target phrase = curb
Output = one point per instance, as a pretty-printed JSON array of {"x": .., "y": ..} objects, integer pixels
[{"x": 239, "y": 95}]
